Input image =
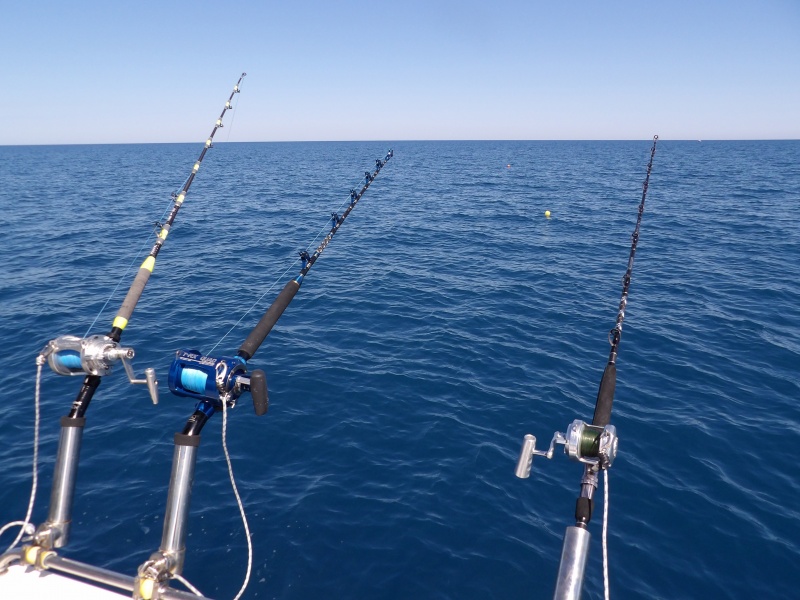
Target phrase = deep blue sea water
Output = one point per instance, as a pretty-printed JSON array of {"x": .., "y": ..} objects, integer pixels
[{"x": 447, "y": 318}]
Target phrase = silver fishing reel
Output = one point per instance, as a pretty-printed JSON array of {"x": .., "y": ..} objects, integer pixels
[
  {"x": 589, "y": 444},
  {"x": 94, "y": 355}
]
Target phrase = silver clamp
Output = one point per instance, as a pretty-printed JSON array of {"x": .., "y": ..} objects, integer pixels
[
  {"x": 94, "y": 355},
  {"x": 589, "y": 444},
  {"x": 152, "y": 577}
]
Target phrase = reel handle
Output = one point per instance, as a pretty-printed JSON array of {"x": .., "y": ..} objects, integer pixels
[{"x": 258, "y": 390}]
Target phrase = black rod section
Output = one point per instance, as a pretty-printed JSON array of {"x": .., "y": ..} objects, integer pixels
[
  {"x": 267, "y": 322},
  {"x": 274, "y": 312},
  {"x": 92, "y": 382},
  {"x": 608, "y": 383},
  {"x": 137, "y": 287}
]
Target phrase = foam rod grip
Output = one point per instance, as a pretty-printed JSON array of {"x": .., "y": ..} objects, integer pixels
[
  {"x": 258, "y": 390},
  {"x": 265, "y": 325},
  {"x": 605, "y": 396}
]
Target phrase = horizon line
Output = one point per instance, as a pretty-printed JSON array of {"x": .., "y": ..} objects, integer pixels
[{"x": 660, "y": 139}]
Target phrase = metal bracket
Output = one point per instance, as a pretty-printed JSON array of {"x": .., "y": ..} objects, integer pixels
[{"x": 157, "y": 570}]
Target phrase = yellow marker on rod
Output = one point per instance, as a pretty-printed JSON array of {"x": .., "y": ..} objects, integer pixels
[{"x": 145, "y": 270}]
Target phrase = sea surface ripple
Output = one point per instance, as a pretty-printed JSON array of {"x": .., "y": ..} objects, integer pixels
[{"x": 446, "y": 319}]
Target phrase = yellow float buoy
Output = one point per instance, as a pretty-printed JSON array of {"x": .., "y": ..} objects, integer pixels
[{"x": 547, "y": 214}]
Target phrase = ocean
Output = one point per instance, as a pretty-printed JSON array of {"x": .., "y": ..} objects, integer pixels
[{"x": 446, "y": 319}]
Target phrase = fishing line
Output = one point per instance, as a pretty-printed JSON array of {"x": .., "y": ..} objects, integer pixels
[
  {"x": 256, "y": 303},
  {"x": 608, "y": 382},
  {"x": 279, "y": 278},
  {"x": 158, "y": 223},
  {"x": 128, "y": 269},
  {"x": 24, "y": 524},
  {"x": 94, "y": 356},
  {"x": 594, "y": 445},
  {"x": 233, "y": 119},
  {"x": 188, "y": 585},
  {"x": 325, "y": 230},
  {"x": 605, "y": 535},
  {"x": 142, "y": 277},
  {"x": 238, "y": 500}
]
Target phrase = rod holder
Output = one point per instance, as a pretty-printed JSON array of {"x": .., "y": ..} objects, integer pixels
[
  {"x": 168, "y": 560},
  {"x": 54, "y": 533},
  {"x": 569, "y": 583}
]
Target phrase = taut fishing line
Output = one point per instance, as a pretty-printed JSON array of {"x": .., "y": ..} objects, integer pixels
[
  {"x": 607, "y": 592},
  {"x": 92, "y": 357},
  {"x": 130, "y": 265},
  {"x": 158, "y": 224},
  {"x": 233, "y": 119},
  {"x": 279, "y": 278},
  {"x": 594, "y": 445},
  {"x": 217, "y": 382}
]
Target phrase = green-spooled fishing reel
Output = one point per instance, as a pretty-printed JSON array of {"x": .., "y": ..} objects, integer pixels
[{"x": 590, "y": 444}]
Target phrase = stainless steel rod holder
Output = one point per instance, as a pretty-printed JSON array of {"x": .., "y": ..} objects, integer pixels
[
  {"x": 569, "y": 583},
  {"x": 173, "y": 540},
  {"x": 54, "y": 533}
]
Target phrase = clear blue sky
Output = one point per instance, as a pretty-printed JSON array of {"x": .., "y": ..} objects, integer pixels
[{"x": 107, "y": 71}]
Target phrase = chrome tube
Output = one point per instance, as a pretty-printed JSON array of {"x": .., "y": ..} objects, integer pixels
[
  {"x": 9, "y": 558},
  {"x": 92, "y": 573},
  {"x": 173, "y": 539},
  {"x": 569, "y": 584},
  {"x": 59, "y": 519},
  {"x": 104, "y": 576}
]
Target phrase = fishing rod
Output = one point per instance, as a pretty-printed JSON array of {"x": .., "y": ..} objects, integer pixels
[
  {"x": 593, "y": 445},
  {"x": 93, "y": 357},
  {"x": 217, "y": 382}
]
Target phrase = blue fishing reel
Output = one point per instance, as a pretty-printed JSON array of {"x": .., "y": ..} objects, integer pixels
[{"x": 218, "y": 379}]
